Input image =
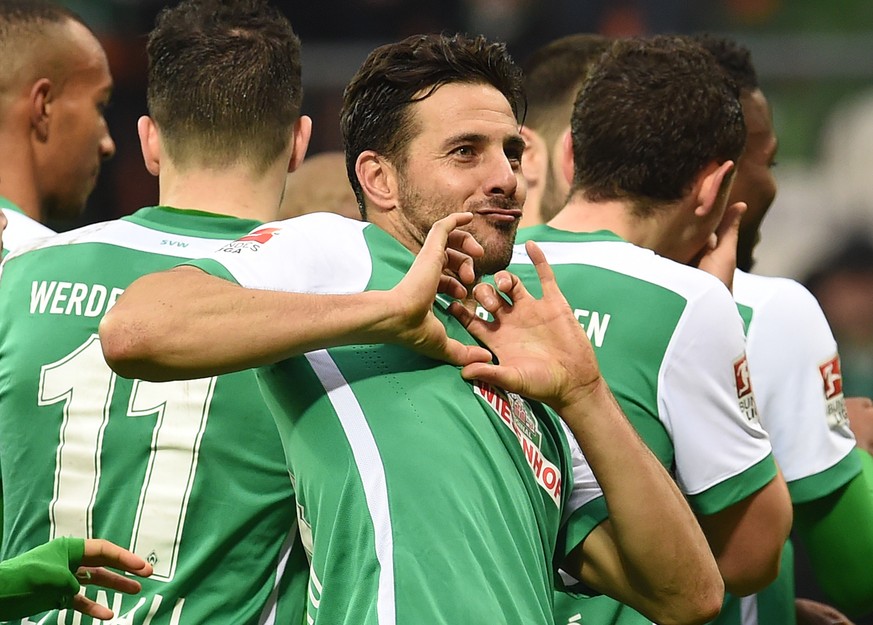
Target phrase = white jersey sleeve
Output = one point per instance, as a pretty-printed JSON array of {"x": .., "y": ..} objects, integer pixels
[
  {"x": 796, "y": 372},
  {"x": 21, "y": 230},
  {"x": 314, "y": 253},
  {"x": 706, "y": 401}
]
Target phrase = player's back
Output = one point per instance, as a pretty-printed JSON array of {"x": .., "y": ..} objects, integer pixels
[{"x": 190, "y": 475}]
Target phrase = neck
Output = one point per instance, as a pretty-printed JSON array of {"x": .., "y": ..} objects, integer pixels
[
  {"x": 233, "y": 191},
  {"x": 18, "y": 181},
  {"x": 656, "y": 232}
]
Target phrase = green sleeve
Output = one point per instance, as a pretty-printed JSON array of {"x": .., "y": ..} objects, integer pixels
[
  {"x": 837, "y": 531},
  {"x": 41, "y": 579}
]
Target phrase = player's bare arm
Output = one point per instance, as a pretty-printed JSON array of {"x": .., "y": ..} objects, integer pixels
[
  {"x": 860, "y": 411},
  {"x": 216, "y": 327},
  {"x": 544, "y": 354},
  {"x": 747, "y": 538}
]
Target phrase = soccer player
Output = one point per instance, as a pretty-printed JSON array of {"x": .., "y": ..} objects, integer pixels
[
  {"x": 426, "y": 497},
  {"x": 552, "y": 77},
  {"x": 655, "y": 133},
  {"x": 190, "y": 475},
  {"x": 54, "y": 86},
  {"x": 795, "y": 370}
]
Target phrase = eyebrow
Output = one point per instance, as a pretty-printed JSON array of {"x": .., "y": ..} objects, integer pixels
[{"x": 515, "y": 142}]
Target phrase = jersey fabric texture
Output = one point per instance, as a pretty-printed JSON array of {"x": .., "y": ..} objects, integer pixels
[
  {"x": 189, "y": 475},
  {"x": 670, "y": 345},
  {"x": 414, "y": 486},
  {"x": 795, "y": 369},
  {"x": 40, "y": 579},
  {"x": 20, "y": 229}
]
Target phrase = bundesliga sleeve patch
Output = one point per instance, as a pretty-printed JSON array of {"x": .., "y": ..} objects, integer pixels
[
  {"x": 745, "y": 396},
  {"x": 835, "y": 402}
]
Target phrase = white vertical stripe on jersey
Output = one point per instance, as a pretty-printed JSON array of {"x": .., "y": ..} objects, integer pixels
[
  {"x": 749, "y": 610},
  {"x": 366, "y": 454},
  {"x": 268, "y": 614}
]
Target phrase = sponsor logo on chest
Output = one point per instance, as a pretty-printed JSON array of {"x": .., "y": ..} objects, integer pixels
[{"x": 516, "y": 414}]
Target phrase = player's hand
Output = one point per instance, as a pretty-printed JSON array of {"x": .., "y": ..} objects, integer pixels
[
  {"x": 445, "y": 265},
  {"x": 101, "y": 553},
  {"x": 814, "y": 613},
  {"x": 719, "y": 256},
  {"x": 542, "y": 350},
  {"x": 860, "y": 411}
]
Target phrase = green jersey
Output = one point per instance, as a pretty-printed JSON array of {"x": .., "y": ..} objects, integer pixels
[
  {"x": 189, "y": 475},
  {"x": 424, "y": 498},
  {"x": 670, "y": 345}
]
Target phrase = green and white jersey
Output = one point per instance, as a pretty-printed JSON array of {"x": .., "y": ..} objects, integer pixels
[
  {"x": 670, "y": 345},
  {"x": 425, "y": 498},
  {"x": 795, "y": 367},
  {"x": 189, "y": 475},
  {"x": 20, "y": 229}
]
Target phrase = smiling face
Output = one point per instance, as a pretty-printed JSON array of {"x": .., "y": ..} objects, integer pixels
[
  {"x": 754, "y": 182},
  {"x": 78, "y": 138},
  {"x": 466, "y": 156}
]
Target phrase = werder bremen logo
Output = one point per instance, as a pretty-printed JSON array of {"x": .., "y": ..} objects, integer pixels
[{"x": 524, "y": 420}]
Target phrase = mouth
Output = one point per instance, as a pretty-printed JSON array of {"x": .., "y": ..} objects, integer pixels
[{"x": 500, "y": 214}]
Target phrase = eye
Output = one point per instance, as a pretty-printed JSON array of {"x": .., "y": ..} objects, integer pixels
[{"x": 465, "y": 151}]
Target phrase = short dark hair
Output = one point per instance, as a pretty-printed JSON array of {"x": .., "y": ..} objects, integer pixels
[
  {"x": 224, "y": 81},
  {"x": 734, "y": 58},
  {"x": 553, "y": 75},
  {"x": 651, "y": 115},
  {"x": 28, "y": 26},
  {"x": 18, "y": 13},
  {"x": 375, "y": 112}
]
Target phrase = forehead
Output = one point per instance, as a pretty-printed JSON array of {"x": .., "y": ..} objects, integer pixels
[
  {"x": 86, "y": 60},
  {"x": 756, "y": 111},
  {"x": 459, "y": 107}
]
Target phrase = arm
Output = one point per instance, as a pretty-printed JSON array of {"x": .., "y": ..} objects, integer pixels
[
  {"x": 42, "y": 578},
  {"x": 814, "y": 613},
  {"x": 651, "y": 553},
  {"x": 184, "y": 323},
  {"x": 747, "y": 537},
  {"x": 837, "y": 531},
  {"x": 860, "y": 411}
]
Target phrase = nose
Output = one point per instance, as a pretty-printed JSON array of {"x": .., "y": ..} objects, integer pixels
[
  {"x": 107, "y": 146},
  {"x": 503, "y": 177}
]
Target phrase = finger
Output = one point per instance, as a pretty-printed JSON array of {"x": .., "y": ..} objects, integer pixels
[
  {"x": 730, "y": 222},
  {"x": 99, "y": 552},
  {"x": 544, "y": 269},
  {"x": 487, "y": 297},
  {"x": 451, "y": 286},
  {"x": 461, "y": 355},
  {"x": 108, "y": 579},
  {"x": 460, "y": 264},
  {"x": 492, "y": 374},
  {"x": 88, "y": 607},
  {"x": 464, "y": 242}
]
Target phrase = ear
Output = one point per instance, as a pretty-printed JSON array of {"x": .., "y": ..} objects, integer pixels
[
  {"x": 41, "y": 102},
  {"x": 378, "y": 179},
  {"x": 534, "y": 162},
  {"x": 567, "y": 163},
  {"x": 300, "y": 141},
  {"x": 713, "y": 184},
  {"x": 150, "y": 144}
]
